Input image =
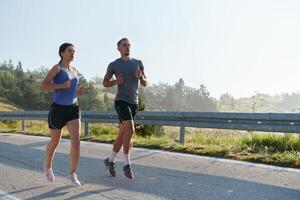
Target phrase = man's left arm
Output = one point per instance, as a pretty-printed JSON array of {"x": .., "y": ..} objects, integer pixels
[{"x": 143, "y": 79}]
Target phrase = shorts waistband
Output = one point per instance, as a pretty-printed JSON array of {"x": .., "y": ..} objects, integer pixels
[{"x": 65, "y": 106}]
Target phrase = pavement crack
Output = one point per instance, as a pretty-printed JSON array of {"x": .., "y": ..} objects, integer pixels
[
  {"x": 20, "y": 162},
  {"x": 14, "y": 160},
  {"x": 112, "y": 198}
]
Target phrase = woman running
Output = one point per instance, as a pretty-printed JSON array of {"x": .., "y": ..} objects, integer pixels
[{"x": 64, "y": 111}]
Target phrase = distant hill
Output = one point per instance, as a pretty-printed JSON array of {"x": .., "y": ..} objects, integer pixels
[
  {"x": 20, "y": 90},
  {"x": 6, "y": 106}
]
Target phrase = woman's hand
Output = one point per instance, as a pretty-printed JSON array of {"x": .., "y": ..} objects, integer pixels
[
  {"x": 80, "y": 91},
  {"x": 66, "y": 84}
]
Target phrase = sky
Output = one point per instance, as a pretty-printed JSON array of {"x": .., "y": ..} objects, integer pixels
[{"x": 235, "y": 46}]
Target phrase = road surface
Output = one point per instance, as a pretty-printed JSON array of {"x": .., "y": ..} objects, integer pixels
[{"x": 158, "y": 175}]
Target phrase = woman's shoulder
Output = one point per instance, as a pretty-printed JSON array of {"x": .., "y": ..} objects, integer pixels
[
  {"x": 75, "y": 70},
  {"x": 56, "y": 68}
]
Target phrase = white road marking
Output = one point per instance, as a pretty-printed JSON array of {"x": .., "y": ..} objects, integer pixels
[
  {"x": 243, "y": 163},
  {"x": 6, "y": 196}
]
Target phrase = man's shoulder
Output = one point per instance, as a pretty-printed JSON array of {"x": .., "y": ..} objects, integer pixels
[
  {"x": 115, "y": 62},
  {"x": 134, "y": 60},
  {"x": 119, "y": 61}
]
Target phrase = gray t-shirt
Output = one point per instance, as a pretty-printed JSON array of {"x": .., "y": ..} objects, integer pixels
[{"x": 128, "y": 90}]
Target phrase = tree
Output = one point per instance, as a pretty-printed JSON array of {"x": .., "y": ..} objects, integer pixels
[
  {"x": 203, "y": 91},
  {"x": 23, "y": 88},
  {"x": 169, "y": 101},
  {"x": 90, "y": 99},
  {"x": 227, "y": 100},
  {"x": 19, "y": 71},
  {"x": 290, "y": 101},
  {"x": 146, "y": 130},
  {"x": 107, "y": 104},
  {"x": 257, "y": 101},
  {"x": 97, "y": 79}
]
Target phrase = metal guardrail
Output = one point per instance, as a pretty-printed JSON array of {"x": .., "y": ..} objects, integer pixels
[{"x": 269, "y": 122}]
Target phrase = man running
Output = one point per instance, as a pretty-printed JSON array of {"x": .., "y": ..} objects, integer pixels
[{"x": 128, "y": 72}]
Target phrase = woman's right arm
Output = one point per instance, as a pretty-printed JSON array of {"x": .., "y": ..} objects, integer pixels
[{"x": 47, "y": 82}]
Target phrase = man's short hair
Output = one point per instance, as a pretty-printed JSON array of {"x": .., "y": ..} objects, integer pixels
[{"x": 123, "y": 39}]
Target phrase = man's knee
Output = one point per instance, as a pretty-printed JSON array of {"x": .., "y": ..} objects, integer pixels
[{"x": 129, "y": 127}]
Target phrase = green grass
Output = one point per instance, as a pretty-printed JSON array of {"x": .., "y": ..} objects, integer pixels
[{"x": 268, "y": 148}]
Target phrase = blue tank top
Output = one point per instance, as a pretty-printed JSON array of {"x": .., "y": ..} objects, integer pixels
[{"x": 65, "y": 96}]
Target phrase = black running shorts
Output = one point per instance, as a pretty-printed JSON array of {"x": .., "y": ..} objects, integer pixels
[
  {"x": 60, "y": 115},
  {"x": 126, "y": 111}
]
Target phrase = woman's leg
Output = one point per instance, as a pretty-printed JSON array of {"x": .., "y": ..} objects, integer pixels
[
  {"x": 74, "y": 131},
  {"x": 51, "y": 147}
]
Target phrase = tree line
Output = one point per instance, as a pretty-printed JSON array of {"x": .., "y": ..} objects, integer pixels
[{"x": 23, "y": 89}]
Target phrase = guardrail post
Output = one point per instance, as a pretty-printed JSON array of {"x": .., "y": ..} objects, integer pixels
[
  {"x": 86, "y": 128},
  {"x": 182, "y": 135},
  {"x": 23, "y": 125}
]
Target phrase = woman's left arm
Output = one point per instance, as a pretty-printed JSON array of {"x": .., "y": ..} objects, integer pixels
[{"x": 80, "y": 89}]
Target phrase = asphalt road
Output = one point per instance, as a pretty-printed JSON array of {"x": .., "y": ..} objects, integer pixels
[{"x": 158, "y": 175}]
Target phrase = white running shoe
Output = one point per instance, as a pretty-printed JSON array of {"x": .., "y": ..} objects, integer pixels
[
  {"x": 49, "y": 175},
  {"x": 72, "y": 178}
]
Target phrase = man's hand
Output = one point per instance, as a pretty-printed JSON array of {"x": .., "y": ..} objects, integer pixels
[
  {"x": 140, "y": 75},
  {"x": 119, "y": 79},
  {"x": 138, "y": 72}
]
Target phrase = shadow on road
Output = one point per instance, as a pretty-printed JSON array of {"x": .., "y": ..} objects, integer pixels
[{"x": 167, "y": 183}]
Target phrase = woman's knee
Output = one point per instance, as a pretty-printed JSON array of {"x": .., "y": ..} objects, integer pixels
[
  {"x": 54, "y": 141},
  {"x": 75, "y": 142}
]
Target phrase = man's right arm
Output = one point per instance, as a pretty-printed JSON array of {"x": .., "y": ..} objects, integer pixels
[{"x": 107, "y": 82}]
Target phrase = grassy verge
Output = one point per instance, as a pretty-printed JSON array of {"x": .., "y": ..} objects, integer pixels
[{"x": 268, "y": 148}]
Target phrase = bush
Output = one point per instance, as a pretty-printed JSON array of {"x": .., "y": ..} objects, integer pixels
[
  {"x": 146, "y": 130},
  {"x": 149, "y": 130},
  {"x": 273, "y": 142},
  {"x": 11, "y": 124},
  {"x": 97, "y": 130}
]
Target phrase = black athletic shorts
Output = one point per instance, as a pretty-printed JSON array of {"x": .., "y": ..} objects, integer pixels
[
  {"x": 60, "y": 115},
  {"x": 125, "y": 110}
]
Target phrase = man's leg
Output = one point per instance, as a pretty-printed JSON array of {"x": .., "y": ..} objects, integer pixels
[
  {"x": 127, "y": 145},
  {"x": 110, "y": 161},
  {"x": 117, "y": 145},
  {"x": 127, "y": 136}
]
